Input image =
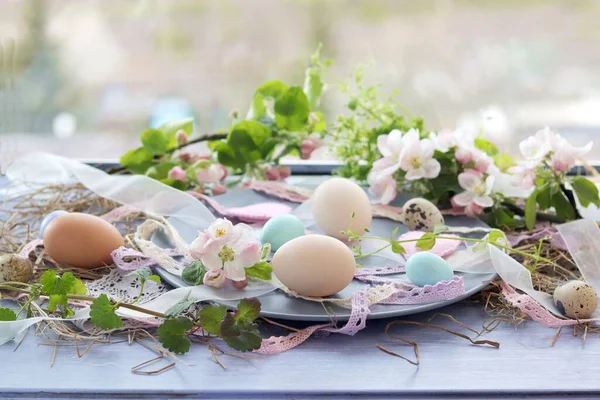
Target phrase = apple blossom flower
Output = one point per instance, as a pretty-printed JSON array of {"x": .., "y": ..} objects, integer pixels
[
  {"x": 211, "y": 174},
  {"x": 214, "y": 278},
  {"x": 533, "y": 148},
  {"x": 218, "y": 189},
  {"x": 309, "y": 145},
  {"x": 384, "y": 189},
  {"x": 181, "y": 137},
  {"x": 471, "y": 210},
  {"x": 477, "y": 190},
  {"x": 443, "y": 140},
  {"x": 523, "y": 176},
  {"x": 177, "y": 173},
  {"x": 391, "y": 144},
  {"x": 416, "y": 157},
  {"x": 226, "y": 247}
]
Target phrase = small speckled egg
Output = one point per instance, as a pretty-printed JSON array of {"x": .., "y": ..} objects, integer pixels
[
  {"x": 48, "y": 218},
  {"x": 14, "y": 268},
  {"x": 314, "y": 265},
  {"x": 81, "y": 240},
  {"x": 426, "y": 268},
  {"x": 281, "y": 229},
  {"x": 576, "y": 299},
  {"x": 335, "y": 202},
  {"x": 421, "y": 215}
]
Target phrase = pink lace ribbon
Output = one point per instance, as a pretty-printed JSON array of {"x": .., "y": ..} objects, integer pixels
[{"x": 261, "y": 212}]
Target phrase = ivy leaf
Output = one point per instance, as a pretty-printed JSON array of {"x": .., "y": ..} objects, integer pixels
[
  {"x": 427, "y": 241},
  {"x": 137, "y": 160},
  {"x": 6, "y": 314},
  {"x": 211, "y": 317},
  {"x": 530, "y": 210},
  {"x": 586, "y": 191},
  {"x": 247, "y": 310},
  {"x": 180, "y": 307},
  {"x": 261, "y": 270},
  {"x": 240, "y": 336},
  {"x": 171, "y": 334},
  {"x": 103, "y": 315},
  {"x": 155, "y": 141},
  {"x": 56, "y": 300},
  {"x": 194, "y": 273},
  {"x": 440, "y": 229},
  {"x": 292, "y": 109},
  {"x": 144, "y": 275},
  {"x": 397, "y": 248},
  {"x": 61, "y": 284}
]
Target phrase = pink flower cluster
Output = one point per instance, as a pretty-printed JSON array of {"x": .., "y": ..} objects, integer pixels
[
  {"x": 207, "y": 175},
  {"x": 226, "y": 250}
]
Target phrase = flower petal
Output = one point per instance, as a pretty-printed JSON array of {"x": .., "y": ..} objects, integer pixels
[
  {"x": 431, "y": 168},
  {"x": 414, "y": 173},
  {"x": 382, "y": 145},
  {"x": 394, "y": 142},
  {"x": 483, "y": 201},
  {"x": 468, "y": 180},
  {"x": 463, "y": 199},
  {"x": 235, "y": 271}
]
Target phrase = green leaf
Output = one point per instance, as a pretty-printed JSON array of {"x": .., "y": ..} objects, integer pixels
[
  {"x": 272, "y": 89},
  {"x": 496, "y": 235},
  {"x": 137, "y": 160},
  {"x": 103, "y": 315},
  {"x": 440, "y": 229},
  {"x": 562, "y": 206},
  {"x": 57, "y": 284},
  {"x": 171, "y": 334},
  {"x": 544, "y": 197},
  {"x": 530, "y": 210},
  {"x": 155, "y": 141},
  {"x": 427, "y": 241},
  {"x": 226, "y": 155},
  {"x": 154, "y": 278},
  {"x": 247, "y": 310},
  {"x": 211, "y": 317},
  {"x": 319, "y": 125},
  {"x": 292, "y": 109},
  {"x": 6, "y": 314},
  {"x": 174, "y": 183},
  {"x": 486, "y": 146},
  {"x": 261, "y": 270},
  {"x": 194, "y": 273},
  {"x": 160, "y": 171},
  {"x": 265, "y": 251},
  {"x": 397, "y": 248},
  {"x": 56, "y": 300},
  {"x": 179, "y": 308},
  {"x": 504, "y": 161},
  {"x": 255, "y": 130},
  {"x": 314, "y": 86},
  {"x": 394, "y": 233},
  {"x": 172, "y": 127},
  {"x": 240, "y": 336},
  {"x": 586, "y": 191}
]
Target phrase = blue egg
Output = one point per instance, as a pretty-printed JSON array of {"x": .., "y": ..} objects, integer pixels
[
  {"x": 281, "y": 229},
  {"x": 48, "y": 218},
  {"x": 426, "y": 268}
]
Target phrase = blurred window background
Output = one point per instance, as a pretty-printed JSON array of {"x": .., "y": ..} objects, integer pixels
[{"x": 82, "y": 78}]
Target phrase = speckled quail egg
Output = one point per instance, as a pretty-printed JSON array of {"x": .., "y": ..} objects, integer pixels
[
  {"x": 14, "y": 268},
  {"x": 421, "y": 215},
  {"x": 576, "y": 299}
]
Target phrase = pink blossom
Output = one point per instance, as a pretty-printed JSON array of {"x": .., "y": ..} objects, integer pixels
[
  {"x": 416, "y": 157},
  {"x": 309, "y": 145},
  {"x": 523, "y": 176},
  {"x": 181, "y": 137},
  {"x": 240, "y": 284},
  {"x": 214, "y": 278},
  {"x": 284, "y": 172},
  {"x": 443, "y": 140},
  {"x": 471, "y": 210},
  {"x": 477, "y": 190},
  {"x": 218, "y": 189},
  {"x": 211, "y": 174},
  {"x": 385, "y": 189},
  {"x": 463, "y": 155},
  {"x": 177, "y": 173},
  {"x": 227, "y": 247},
  {"x": 391, "y": 144},
  {"x": 277, "y": 173}
]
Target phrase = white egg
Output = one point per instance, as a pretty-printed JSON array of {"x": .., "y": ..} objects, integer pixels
[
  {"x": 314, "y": 265},
  {"x": 338, "y": 205}
]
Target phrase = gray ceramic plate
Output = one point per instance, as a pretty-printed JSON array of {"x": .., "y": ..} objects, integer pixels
[{"x": 279, "y": 305}]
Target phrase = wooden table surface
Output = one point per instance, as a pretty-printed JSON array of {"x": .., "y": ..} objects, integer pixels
[{"x": 525, "y": 365}]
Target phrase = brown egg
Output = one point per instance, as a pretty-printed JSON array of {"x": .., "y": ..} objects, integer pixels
[
  {"x": 314, "y": 265},
  {"x": 81, "y": 240}
]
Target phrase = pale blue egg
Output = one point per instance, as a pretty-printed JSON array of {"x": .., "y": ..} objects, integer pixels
[
  {"x": 281, "y": 229},
  {"x": 426, "y": 268},
  {"x": 48, "y": 218}
]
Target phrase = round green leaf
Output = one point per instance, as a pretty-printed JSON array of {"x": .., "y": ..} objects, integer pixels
[
  {"x": 292, "y": 109},
  {"x": 137, "y": 160},
  {"x": 155, "y": 141}
]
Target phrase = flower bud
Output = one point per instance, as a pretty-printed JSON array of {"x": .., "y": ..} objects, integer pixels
[
  {"x": 181, "y": 137},
  {"x": 177, "y": 173},
  {"x": 214, "y": 278}
]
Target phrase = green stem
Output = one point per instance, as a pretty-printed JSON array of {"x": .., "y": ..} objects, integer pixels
[
  {"x": 140, "y": 293},
  {"x": 117, "y": 305},
  {"x": 375, "y": 251}
]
